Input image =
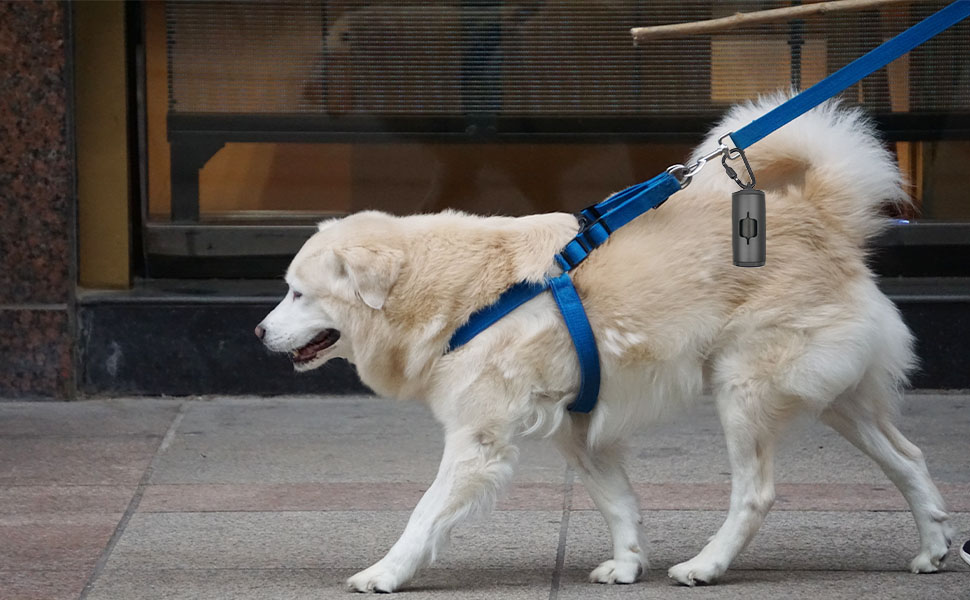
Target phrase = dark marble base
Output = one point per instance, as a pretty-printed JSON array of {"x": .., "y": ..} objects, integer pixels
[
  {"x": 164, "y": 342},
  {"x": 185, "y": 349},
  {"x": 35, "y": 354},
  {"x": 942, "y": 331}
]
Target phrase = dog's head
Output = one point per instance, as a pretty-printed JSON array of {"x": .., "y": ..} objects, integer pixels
[{"x": 337, "y": 282}]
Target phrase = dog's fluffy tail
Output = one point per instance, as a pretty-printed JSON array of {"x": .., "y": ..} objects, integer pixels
[{"x": 848, "y": 173}]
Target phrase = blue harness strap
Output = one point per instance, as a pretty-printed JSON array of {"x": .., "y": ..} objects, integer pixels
[
  {"x": 602, "y": 219},
  {"x": 577, "y": 322},
  {"x": 511, "y": 299}
]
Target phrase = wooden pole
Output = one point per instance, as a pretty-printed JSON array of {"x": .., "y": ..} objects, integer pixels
[{"x": 642, "y": 34}]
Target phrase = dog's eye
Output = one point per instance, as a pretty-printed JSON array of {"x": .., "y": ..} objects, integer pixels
[{"x": 297, "y": 295}]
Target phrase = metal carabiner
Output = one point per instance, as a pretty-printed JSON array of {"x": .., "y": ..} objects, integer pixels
[{"x": 732, "y": 154}]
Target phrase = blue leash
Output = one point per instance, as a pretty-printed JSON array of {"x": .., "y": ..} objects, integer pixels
[
  {"x": 851, "y": 73},
  {"x": 600, "y": 220}
]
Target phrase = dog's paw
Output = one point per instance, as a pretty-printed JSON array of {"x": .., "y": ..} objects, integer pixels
[
  {"x": 935, "y": 547},
  {"x": 613, "y": 571},
  {"x": 693, "y": 572},
  {"x": 928, "y": 562},
  {"x": 374, "y": 579},
  {"x": 932, "y": 556}
]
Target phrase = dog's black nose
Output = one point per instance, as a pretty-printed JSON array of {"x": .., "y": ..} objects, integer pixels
[{"x": 260, "y": 332}]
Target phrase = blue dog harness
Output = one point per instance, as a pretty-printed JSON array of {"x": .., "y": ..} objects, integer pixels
[{"x": 600, "y": 220}]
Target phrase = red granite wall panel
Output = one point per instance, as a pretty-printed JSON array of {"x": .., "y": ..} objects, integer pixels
[{"x": 36, "y": 201}]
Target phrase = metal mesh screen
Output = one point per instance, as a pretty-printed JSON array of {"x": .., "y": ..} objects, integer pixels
[{"x": 533, "y": 58}]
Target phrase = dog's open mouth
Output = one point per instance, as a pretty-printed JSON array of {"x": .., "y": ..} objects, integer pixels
[{"x": 322, "y": 341}]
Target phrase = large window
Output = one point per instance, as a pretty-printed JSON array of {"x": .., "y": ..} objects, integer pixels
[{"x": 264, "y": 116}]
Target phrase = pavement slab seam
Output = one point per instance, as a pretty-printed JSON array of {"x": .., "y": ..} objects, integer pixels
[
  {"x": 133, "y": 503},
  {"x": 567, "y": 502}
]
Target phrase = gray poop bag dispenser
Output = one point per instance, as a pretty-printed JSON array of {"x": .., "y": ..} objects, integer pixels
[{"x": 747, "y": 216}]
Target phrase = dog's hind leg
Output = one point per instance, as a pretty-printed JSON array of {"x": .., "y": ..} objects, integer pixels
[
  {"x": 475, "y": 465},
  {"x": 863, "y": 421},
  {"x": 752, "y": 416},
  {"x": 601, "y": 472}
]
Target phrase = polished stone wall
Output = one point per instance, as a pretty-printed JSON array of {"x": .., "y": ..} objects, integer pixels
[{"x": 37, "y": 202}]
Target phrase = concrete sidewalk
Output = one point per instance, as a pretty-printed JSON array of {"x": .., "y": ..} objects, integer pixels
[{"x": 279, "y": 498}]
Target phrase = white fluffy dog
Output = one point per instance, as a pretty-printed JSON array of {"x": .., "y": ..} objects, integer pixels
[{"x": 808, "y": 333}]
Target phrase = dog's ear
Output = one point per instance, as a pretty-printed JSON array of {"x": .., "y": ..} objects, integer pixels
[{"x": 369, "y": 272}]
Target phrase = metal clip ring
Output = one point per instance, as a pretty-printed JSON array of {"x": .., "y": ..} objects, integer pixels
[
  {"x": 681, "y": 174},
  {"x": 685, "y": 174}
]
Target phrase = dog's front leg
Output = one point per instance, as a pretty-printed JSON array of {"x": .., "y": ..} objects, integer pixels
[{"x": 475, "y": 465}]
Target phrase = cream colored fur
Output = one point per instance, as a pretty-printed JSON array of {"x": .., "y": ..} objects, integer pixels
[{"x": 808, "y": 333}]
